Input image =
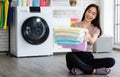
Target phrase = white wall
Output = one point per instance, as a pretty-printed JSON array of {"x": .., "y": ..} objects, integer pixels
[{"x": 107, "y": 19}]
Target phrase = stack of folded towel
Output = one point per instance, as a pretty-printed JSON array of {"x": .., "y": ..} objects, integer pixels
[{"x": 70, "y": 37}]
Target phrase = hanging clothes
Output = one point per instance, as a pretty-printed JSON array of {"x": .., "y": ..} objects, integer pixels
[
  {"x": 6, "y": 14},
  {"x": 2, "y": 13},
  {"x": 36, "y": 3},
  {"x": 9, "y": 13},
  {"x": 29, "y": 3},
  {"x": 0, "y": 10}
]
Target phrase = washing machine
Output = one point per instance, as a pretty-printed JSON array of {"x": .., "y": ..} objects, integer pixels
[{"x": 31, "y": 31}]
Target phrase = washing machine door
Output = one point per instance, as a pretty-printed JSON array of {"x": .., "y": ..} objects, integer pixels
[{"x": 35, "y": 30}]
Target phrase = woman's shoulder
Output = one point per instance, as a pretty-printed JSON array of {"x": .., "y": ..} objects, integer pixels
[{"x": 96, "y": 30}]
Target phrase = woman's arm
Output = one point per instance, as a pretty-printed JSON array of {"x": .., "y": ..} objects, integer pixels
[{"x": 91, "y": 38}]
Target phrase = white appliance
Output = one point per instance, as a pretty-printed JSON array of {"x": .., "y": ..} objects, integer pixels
[
  {"x": 103, "y": 44},
  {"x": 31, "y": 32}
]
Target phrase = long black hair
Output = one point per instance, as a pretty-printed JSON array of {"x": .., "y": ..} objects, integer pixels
[{"x": 96, "y": 21}]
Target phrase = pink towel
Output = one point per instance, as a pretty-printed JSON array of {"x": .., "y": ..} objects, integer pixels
[
  {"x": 43, "y": 2},
  {"x": 29, "y": 2},
  {"x": 80, "y": 47}
]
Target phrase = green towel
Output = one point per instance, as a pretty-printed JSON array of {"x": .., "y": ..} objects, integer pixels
[{"x": 2, "y": 15}]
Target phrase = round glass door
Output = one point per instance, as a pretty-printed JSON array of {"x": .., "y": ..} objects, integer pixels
[{"x": 35, "y": 30}]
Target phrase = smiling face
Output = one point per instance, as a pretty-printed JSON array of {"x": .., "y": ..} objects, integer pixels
[{"x": 90, "y": 14}]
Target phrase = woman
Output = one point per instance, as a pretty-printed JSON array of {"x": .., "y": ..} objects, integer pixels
[{"x": 79, "y": 62}]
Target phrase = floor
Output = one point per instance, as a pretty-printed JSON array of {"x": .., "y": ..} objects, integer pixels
[
  {"x": 50, "y": 66},
  {"x": 117, "y": 47}
]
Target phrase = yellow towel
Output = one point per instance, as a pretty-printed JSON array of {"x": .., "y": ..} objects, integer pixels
[
  {"x": 67, "y": 35},
  {"x": 6, "y": 14},
  {"x": 72, "y": 29},
  {"x": 24, "y": 2}
]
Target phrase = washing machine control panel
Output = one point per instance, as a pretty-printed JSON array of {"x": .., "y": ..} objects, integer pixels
[{"x": 34, "y": 9}]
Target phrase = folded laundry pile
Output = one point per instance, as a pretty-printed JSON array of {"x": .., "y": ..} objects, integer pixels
[{"x": 70, "y": 37}]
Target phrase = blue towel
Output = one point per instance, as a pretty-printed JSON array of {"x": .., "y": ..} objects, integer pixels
[
  {"x": 67, "y": 42},
  {"x": 36, "y": 3},
  {"x": 9, "y": 13},
  {"x": 19, "y": 2}
]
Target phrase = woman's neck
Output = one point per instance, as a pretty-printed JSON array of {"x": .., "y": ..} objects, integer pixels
[{"x": 86, "y": 24}]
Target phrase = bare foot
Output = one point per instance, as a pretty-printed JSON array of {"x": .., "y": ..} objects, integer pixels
[
  {"x": 94, "y": 71},
  {"x": 107, "y": 70}
]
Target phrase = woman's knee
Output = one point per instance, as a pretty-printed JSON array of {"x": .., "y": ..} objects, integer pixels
[
  {"x": 111, "y": 62},
  {"x": 69, "y": 54}
]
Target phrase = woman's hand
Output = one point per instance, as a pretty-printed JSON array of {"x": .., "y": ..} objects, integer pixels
[
  {"x": 90, "y": 38},
  {"x": 87, "y": 35}
]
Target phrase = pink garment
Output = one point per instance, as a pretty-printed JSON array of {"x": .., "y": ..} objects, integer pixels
[
  {"x": 29, "y": 2},
  {"x": 43, "y": 3},
  {"x": 80, "y": 47}
]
